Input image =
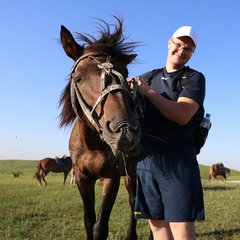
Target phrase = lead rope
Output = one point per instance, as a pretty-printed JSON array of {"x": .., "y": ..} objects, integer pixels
[
  {"x": 135, "y": 86},
  {"x": 125, "y": 167}
]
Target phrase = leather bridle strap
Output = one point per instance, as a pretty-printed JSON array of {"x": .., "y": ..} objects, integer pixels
[
  {"x": 107, "y": 69},
  {"x": 75, "y": 93}
]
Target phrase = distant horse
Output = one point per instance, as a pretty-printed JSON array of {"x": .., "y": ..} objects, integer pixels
[
  {"x": 104, "y": 141},
  {"x": 218, "y": 169},
  {"x": 56, "y": 165}
]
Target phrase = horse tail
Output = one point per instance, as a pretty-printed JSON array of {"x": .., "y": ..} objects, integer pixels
[
  {"x": 36, "y": 175},
  {"x": 38, "y": 170}
]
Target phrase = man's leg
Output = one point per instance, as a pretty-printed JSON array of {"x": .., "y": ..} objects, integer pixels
[
  {"x": 183, "y": 230},
  {"x": 160, "y": 230}
]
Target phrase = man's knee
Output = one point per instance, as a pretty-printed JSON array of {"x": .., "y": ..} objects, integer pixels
[
  {"x": 183, "y": 230},
  {"x": 160, "y": 229}
]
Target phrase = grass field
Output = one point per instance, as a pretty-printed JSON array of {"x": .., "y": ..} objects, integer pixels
[{"x": 28, "y": 211}]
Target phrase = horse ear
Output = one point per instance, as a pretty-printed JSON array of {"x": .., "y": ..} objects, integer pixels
[
  {"x": 70, "y": 46},
  {"x": 130, "y": 58}
]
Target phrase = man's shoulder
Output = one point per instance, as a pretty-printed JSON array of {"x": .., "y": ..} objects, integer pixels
[
  {"x": 194, "y": 72},
  {"x": 150, "y": 74}
]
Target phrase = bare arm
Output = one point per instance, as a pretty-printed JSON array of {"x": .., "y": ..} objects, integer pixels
[{"x": 180, "y": 111}]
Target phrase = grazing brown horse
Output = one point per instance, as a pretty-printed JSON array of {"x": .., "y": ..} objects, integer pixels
[
  {"x": 56, "y": 165},
  {"x": 104, "y": 141},
  {"x": 218, "y": 169}
]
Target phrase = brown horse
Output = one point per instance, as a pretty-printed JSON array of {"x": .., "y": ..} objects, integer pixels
[
  {"x": 56, "y": 165},
  {"x": 218, "y": 169},
  {"x": 104, "y": 141}
]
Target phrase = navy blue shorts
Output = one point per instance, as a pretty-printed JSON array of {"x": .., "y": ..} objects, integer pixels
[{"x": 170, "y": 189}]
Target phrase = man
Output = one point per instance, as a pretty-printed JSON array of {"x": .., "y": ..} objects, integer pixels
[{"x": 169, "y": 190}]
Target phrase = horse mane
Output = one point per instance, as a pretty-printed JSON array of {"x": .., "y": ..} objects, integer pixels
[{"x": 112, "y": 43}]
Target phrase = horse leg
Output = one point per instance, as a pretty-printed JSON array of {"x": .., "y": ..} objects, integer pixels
[
  {"x": 44, "y": 174},
  {"x": 39, "y": 180},
  {"x": 45, "y": 182},
  {"x": 130, "y": 184},
  {"x": 223, "y": 178},
  {"x": 86, "y": 190},
  {"x": 65, "y": 177},
  {"x": 73, "y": 180},
  {"x": 210, "y": 177},
  {"x": 110, "y": 188},
  {"x": 214, "y": 177}
]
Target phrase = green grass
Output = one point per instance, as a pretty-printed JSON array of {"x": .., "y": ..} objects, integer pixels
[{"x": 28, "y": 211}]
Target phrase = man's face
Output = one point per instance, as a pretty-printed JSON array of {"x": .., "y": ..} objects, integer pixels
[{"x": 180, "y": 50}]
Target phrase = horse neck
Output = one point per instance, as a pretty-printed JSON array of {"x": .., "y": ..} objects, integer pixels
[{"x": 86, "y": 137}]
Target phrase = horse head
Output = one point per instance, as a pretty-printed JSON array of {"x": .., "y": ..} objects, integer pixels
[
  {"x": 227, "y": 170},
  {"x": 97, "y": 92}
]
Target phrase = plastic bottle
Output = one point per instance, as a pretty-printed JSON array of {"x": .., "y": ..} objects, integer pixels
[
  {"x": 202, "y": 132},
  {"x": 206, "y": 122}
]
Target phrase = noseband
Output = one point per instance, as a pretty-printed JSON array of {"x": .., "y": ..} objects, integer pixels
[{"x": 107, "y": 69}]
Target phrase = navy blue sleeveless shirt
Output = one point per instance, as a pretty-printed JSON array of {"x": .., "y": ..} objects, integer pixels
[{"x": 159, "y": 134}]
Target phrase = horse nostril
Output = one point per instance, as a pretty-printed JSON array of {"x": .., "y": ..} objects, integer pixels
[{"x": 108, "y": 126}]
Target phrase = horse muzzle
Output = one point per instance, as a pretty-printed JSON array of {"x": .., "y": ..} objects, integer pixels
[{"x": 125, "y": 139}]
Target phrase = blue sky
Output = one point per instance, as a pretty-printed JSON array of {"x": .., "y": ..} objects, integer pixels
[{"x": 34, "y": 67}]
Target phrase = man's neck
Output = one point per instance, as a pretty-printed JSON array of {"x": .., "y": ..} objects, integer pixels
[{"x": 171, "y": 68}]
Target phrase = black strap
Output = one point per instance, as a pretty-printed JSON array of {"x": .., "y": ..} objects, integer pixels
[
  {"x": 152, "y": 74},
  {"x": 184, "y": 78}
]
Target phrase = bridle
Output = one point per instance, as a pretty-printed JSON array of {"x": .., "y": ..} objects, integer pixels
[{"x": 107, "y": 69}]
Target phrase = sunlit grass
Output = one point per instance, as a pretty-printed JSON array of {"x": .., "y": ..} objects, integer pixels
[{"x": 28, "y": 211}]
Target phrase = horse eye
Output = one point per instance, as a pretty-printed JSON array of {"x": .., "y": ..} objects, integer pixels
[{"x": 78, "y": 79}]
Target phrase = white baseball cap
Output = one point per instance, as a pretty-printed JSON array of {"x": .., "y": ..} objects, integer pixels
[{"x": 186, "y": 31}]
